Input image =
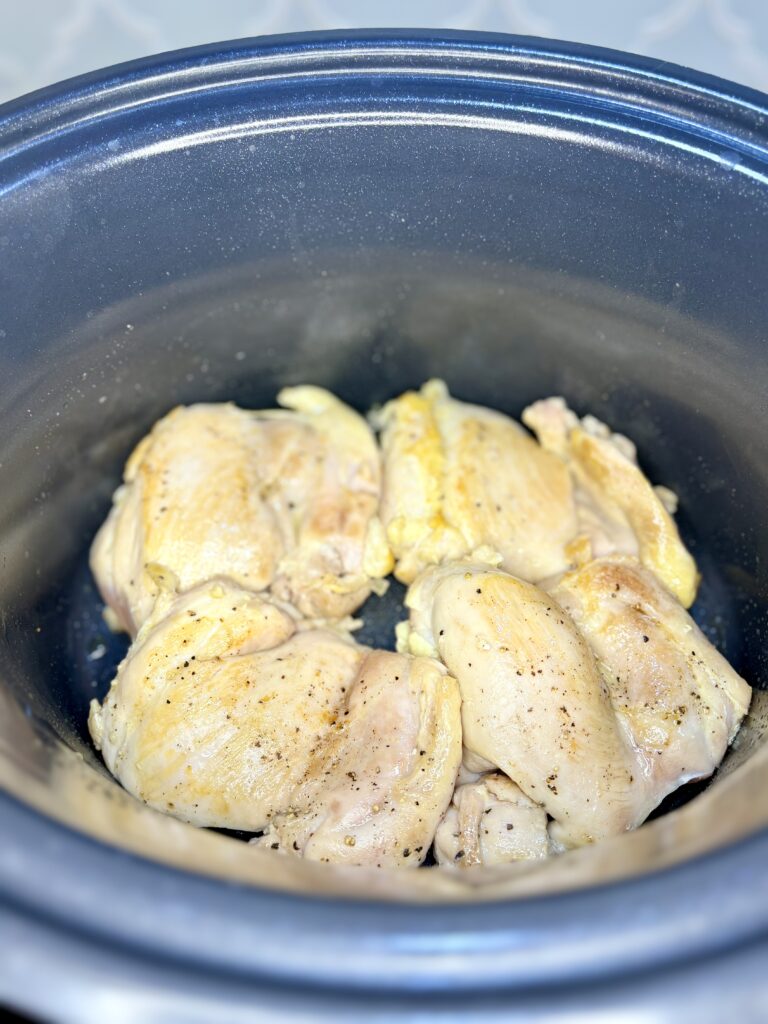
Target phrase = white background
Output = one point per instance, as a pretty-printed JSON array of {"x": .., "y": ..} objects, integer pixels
[{"x": 42, "y": 41}]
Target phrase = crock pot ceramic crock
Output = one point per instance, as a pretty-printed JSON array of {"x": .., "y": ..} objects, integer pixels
[{"x": 364, "y": 211}]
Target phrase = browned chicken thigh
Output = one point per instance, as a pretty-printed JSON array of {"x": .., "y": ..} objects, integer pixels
[
  {"x": 680, "y": 700},
  {"x": 219, "y": 704},
  {"x": 459, "y": 477},
  {"x": 381, "y": 781},
  {"x": 598, "y": 699},
  {"x": 618, "y": 510},
  {"x": 230, "y": 711},
  {"x": 533, "y": 701},
  {"x": 286, "y": 499}
]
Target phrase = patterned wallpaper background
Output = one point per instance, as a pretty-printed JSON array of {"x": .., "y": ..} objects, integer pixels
[{"x": 43, "y": 41}]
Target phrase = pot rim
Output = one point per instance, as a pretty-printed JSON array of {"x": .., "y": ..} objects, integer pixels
[
  {"x": 625, "y": 88},
  {"x": 116, "y": 899}
]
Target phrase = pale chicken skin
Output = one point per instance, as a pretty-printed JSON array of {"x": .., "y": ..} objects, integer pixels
[
  {"x": 220, "y": 704},
  {"x": 459, "y": 477},
  {"x": 282, "y": 499},
  {"x": 549, "y": 688},
  {"x": 618, "y": 509},
  {"x": 491, "y": 821},
  {"x": 377, "y": 786},
  {"x": 681, "y": 701},
  {"x": 325, "y": 486},
  {"x": 533, "y": 702},
  {"x": 598, "y": 698}
]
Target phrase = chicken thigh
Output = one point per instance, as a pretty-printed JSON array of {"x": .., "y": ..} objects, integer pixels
[
  {"x": 287, "y": 499},
  {"x": 533, "y": 702},
  {"x": 681, "y": 701},
  {"x": 459, "y": 477},
  {"x": 377, "y": 786},
  {"x": 598, "y": 699},
  {"x": 323, "y": 480},
  {"x": 220, "y": 704},
  {"x": 491, "y": 821},
  {"x": 618, "y": 510}
]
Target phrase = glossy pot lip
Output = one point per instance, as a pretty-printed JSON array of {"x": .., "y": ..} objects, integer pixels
[
  {"x": 65, "y": 879},
  {"x": 698, "y": 112},
  {"x": 58, "y": 875}
]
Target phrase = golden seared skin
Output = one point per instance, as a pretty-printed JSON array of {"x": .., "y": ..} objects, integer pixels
[
  {"x": 618, "y": 509},
  {"x": 220, "y": 704},
  {"x": 680, "y": 699},
  {"x": 326, "y": 485},
  {"x": 491, "y": 821},
  {"x": 458, "y": 477},
  {"x": 533, "y": 701},
  {"x": 190, "y": 509},
  {"x": 287, "y": 499},
  {"x": 377, "y": 786}
]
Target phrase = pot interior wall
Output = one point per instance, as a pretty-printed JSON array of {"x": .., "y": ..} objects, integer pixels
[{"x": 367, "y": 258}]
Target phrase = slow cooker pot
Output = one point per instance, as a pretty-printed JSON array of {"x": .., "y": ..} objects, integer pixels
[{"x": 363, "y": 211}]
